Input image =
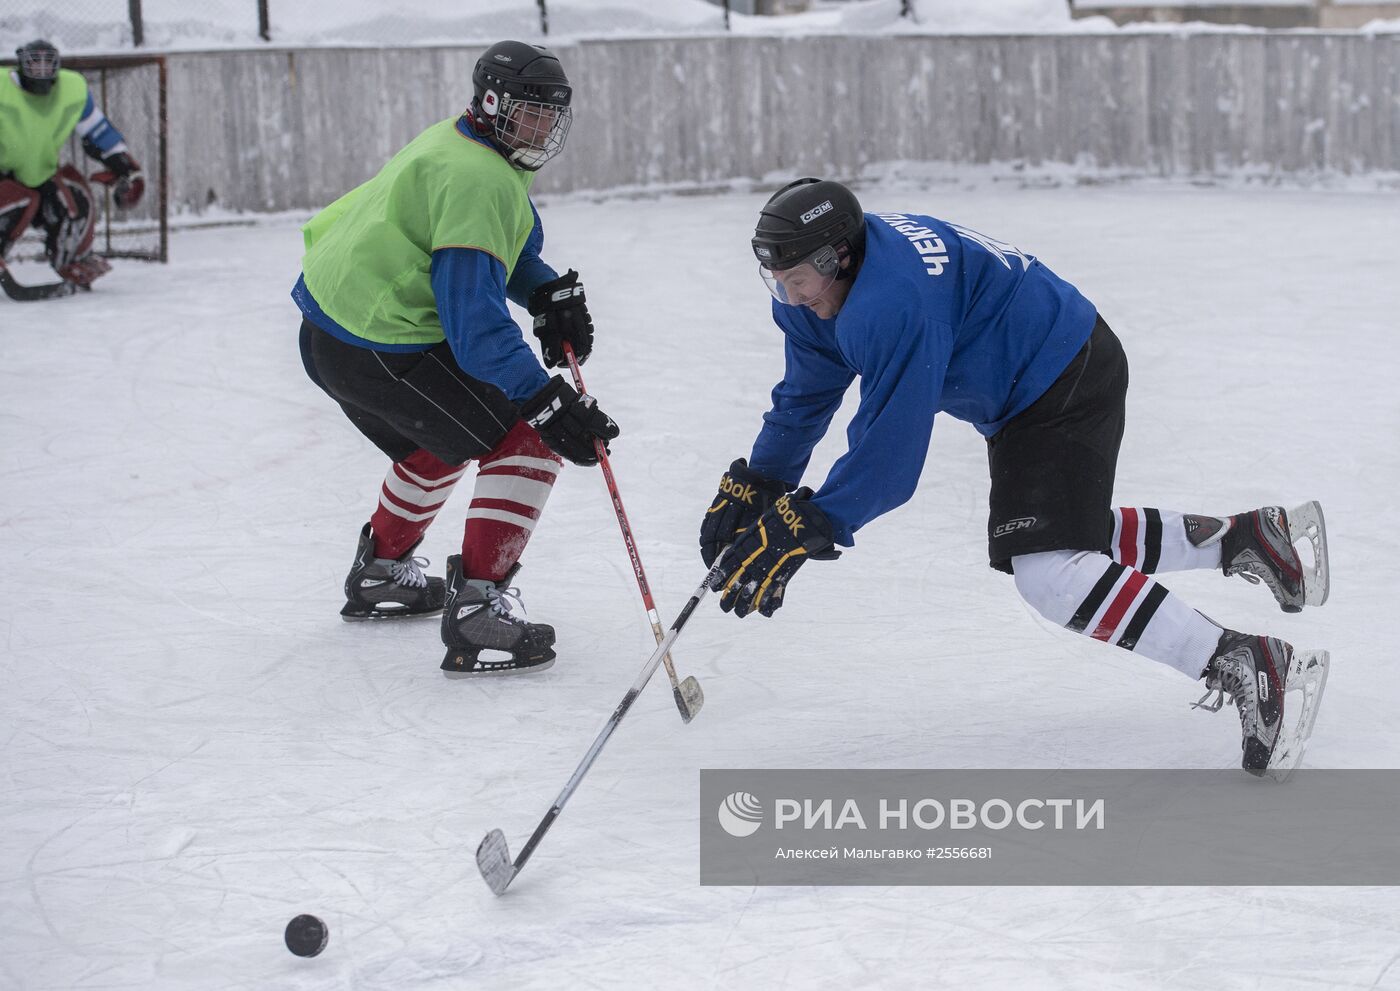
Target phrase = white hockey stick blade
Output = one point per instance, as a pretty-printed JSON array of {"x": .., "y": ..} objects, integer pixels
[
  {"x": 689, "y": 698},
  {"x": 1306, "y": 522},
  {"x": 1302, "y": 689},
  {"x": 493, "y": 860}
]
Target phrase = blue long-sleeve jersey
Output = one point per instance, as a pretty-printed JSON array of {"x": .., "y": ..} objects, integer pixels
[
  {"x": 939, "y": 319},
  {"x": 470, "y": 290},
  {"x": 99, "y": 136}
]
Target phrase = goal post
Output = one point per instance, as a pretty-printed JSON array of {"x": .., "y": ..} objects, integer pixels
[{"x": 132, "y": 91}]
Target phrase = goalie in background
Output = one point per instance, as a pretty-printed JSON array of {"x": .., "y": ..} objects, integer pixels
[{"x": 41, "y": 106}]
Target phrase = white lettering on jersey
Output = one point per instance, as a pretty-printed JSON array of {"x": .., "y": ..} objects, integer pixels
[
  {"x": 932, "y": 251},
  {"x": 1000, "y": 249}
]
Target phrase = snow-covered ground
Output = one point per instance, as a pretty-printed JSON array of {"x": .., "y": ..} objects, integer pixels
[{"x": 194, "y": 747}]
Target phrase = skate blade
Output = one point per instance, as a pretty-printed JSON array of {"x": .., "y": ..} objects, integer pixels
[
  {"x": 381, "y": 615},
  {"x": 353, "y": 615},
  {"x": 469, "y": 664},
  {"x": 1307, "y": 675},
  {"x": 689, "y": 698},
  {"x": 493, "y": 860},
  {"x": 1306, "y": 522}
]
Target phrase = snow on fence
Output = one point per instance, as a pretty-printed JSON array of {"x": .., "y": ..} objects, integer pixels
[{"x": 291, "y": 129}]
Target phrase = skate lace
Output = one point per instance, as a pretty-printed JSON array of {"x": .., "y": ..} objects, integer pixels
[
  {"x": 507, "y": 603},
  {"x": 1228, "y": 681},
  {"x": 409, "y": 572},
  {"x": 1252, "y": 573}
]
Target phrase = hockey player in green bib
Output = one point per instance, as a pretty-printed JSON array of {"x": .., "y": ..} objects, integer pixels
[
  {"x": 42, "y": 105},
  {"x": 403, "y": 298}
]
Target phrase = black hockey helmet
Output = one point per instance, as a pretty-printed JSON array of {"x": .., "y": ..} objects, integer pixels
[
  {"x": 804, "y": 217},
  {"x": 38, "y": 66},
  {"x": 521, "y": 101},
  {"x": 804, "y": 232}
]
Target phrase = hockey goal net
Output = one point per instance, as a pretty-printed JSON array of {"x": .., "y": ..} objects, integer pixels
[{"x": 131, "y": 90}]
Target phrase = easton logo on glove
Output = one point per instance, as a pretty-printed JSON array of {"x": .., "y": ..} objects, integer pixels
[
  {"x": 563, "y": 295},
  {"x": 572, "y": 425}
]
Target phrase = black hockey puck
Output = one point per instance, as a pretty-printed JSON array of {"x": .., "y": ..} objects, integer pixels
[{"x": 306, "y": 935}]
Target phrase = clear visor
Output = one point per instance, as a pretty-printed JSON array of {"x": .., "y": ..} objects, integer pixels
[
  {"x": 533, "y": 131},
  {"x": 804, "y": 282}
]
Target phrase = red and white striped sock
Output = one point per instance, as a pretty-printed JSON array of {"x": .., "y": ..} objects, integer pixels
[
  {"x": 513, "y": 483},
  {"x": 413, "y": 492},
  {"x": 1091, "y": 594},
  {"x": 1154, "y": 540}
]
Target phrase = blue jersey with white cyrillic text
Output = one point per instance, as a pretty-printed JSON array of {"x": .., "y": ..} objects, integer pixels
[{"x": 939, "y": 319}]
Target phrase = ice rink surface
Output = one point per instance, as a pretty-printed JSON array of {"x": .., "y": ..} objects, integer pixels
[{"x": 194, "y": 748}]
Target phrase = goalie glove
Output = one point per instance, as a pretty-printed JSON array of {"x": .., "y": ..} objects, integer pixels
[
  {"x": 123, "y": 174},
  {"x": 762, "y": 560},
  {"x": 568, "y": 422},
  {"x": 561, "y": 314},
  {"x": 743, "y": 495}
]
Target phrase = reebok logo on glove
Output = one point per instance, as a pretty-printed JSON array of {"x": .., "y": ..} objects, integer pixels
[
  {"x": 738, "y": 490},
  {"x": 790, "y": 516}
]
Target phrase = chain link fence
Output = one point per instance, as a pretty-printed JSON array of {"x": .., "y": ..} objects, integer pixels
[
  {"x": 122, "y": 25},
  {"x": 112, "y": 26},
  {"x": 115, "y": 25}
]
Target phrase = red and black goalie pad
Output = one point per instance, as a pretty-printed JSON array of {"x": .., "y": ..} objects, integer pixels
[
  {"x": 69, "y": 217},
  {"x": 19, "y": 205}
]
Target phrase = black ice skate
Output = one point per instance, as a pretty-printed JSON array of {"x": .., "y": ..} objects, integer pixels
[
  {"x": 1257, "y": 673},
  {"x": 380, "y": 588},
  {"x": 489, "y": 616},
  {"x": 1259, "y": 546}
]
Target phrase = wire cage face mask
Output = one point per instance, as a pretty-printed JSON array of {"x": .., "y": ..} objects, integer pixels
[
  {"x": 533, "y": 131},
  {"x": 804, "y": 282},
  {"x": 38, "y": 66}
]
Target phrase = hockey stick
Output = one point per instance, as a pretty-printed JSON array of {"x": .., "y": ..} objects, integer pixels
[
  {"x": 493, "y": 854},
  {"x": 688, "y": 694},
  {"x": 21, "y": 293}
]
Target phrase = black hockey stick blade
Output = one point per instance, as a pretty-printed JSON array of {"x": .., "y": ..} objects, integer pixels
[
  {"x": 493, "y": 860},
  {"x": 689, "y": 698},
  {"x": 28, "y": 294}
]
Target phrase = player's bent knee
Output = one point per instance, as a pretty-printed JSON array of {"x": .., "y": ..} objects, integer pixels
[{"x": 1053, "y": 583}]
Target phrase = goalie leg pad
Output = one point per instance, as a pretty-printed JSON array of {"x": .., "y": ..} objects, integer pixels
[
  {"x": 19, "y": 205},
  {"x": 69, "y": 218}
]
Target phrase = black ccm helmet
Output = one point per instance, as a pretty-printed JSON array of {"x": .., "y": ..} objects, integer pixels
[
  {"x": 521, "y": 101},
  {"x": 38, "y": 66},
  {"x": 805, "y": 217}
]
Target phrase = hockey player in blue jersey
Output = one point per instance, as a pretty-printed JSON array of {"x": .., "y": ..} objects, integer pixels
[
  {"x": 41, "y": 106},
  {"x": 935, "y": 318}
]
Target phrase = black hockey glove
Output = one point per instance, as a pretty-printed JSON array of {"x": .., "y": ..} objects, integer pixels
[
  {"x": 123, "y": 174},
  {"x": 743, "y": 494},
  {"x": 763, "y": 558},
  {"x": 568, "y": 422},
  {"x": 561, "y": 314}
]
